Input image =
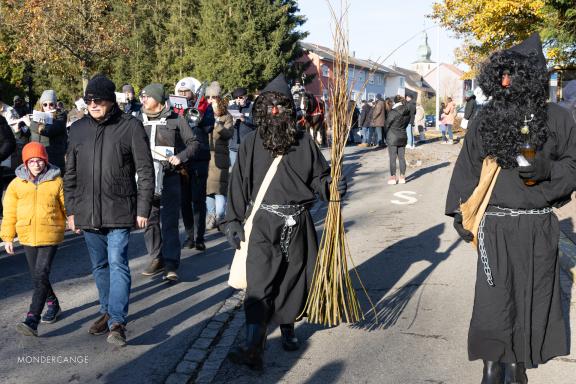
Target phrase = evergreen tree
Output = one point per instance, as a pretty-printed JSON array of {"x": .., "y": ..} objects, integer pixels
[{"x": 246, "y": 42}]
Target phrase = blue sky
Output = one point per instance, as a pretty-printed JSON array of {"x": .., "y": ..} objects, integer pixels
[{"x": 377, "y": 27}]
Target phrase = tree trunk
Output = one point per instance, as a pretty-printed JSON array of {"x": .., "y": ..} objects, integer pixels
[{"x": 84, "y": 78}]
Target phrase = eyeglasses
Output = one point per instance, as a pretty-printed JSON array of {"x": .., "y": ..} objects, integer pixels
[
  {"x": 89, "y": 100},
  {"x": 36, "y": 161},
  {"x": 241, "y": 97},
  {"x": 48, "y": 104}
]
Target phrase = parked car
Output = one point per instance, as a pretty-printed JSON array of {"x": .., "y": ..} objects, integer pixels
[{"x": 430, "y": 121}]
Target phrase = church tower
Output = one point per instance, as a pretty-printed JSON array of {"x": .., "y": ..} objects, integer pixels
[{"x": 423, "y": 64}]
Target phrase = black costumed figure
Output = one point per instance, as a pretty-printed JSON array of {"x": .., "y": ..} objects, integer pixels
[
  {"x": 517, "y": 320},
  {"x": 282, "y": 247}
]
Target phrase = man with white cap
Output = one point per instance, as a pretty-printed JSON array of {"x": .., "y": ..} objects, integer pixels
[{"x": 200, "y": 117}]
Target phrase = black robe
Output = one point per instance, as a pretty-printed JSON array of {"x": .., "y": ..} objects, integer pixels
[
  {"x": 520, "y": 318},
  {"x": 278, "y": 288}
]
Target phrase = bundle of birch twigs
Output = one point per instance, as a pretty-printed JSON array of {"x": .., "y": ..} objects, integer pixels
[{"x": 332, "y": 297}]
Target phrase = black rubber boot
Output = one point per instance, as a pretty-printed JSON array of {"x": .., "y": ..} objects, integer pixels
[
  {"x": 251, "y": 354},
  {"x": 493, "y": 372},
  {"x": 515, "y": 373},
  {"x": 289, "y": 340}
]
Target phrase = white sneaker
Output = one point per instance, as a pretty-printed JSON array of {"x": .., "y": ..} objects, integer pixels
[
  {"x": 401, "y": 180},
  {"x": 392, "y": 180}
]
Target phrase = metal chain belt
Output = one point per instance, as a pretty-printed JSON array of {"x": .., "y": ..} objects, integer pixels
[
  {"x": 503, "y": 212},
  {"x": 289, "y": 222}
]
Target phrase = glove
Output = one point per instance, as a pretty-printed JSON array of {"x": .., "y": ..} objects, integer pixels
[
  {"x": 539, "y": 170},
  {"x": 466, "y": 235},
  {"x": 342, "y": 186},
  {"x": 234, "y": 234}
]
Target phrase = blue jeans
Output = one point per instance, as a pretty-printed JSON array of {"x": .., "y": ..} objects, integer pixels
[
  {"x": 410, "y": 135},
  {"x": 444, "y": 128},
  {"x": 108, "y": 249},
  {"x": 368, "y": 135},
  {"x": 216, "y": 206},
  {"x": 162, "y": 236},
  {"x": 233, "y": 155}
]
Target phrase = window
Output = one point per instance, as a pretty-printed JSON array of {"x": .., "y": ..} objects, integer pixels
[
  {"x": 361, "y": 77},
  {"x": 371, "y": 78},
  {"x": 355, "y": 95},
  {"x": 325, "y": 95},
  {"x": 325, "y": 71},
  {"x": 379, "y": 79},
  {"x": 402, "y": 82},
  {"x": 371, "y": 96}
]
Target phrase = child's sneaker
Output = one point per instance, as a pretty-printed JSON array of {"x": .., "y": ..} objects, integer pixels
[
  {"x": 392, "y": 180},
  {"x": 401, "y": 180},
  {"x": 29, "y": 327},
  {"x": 52, "y": 312}
]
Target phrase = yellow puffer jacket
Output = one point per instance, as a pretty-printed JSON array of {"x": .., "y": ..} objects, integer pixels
[{"x": 34, "y": 211}]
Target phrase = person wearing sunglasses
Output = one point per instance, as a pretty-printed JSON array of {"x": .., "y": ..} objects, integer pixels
[
  {"x": 106, "y": 151},
  {"x": 53, "y": 135}
]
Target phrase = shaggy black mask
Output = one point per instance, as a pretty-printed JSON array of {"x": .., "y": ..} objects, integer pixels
[
  {"x": 278, "y": 131},
  {"x": 503, "y": 116}
]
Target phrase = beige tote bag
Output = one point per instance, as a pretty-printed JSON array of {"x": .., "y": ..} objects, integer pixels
[
  {"x": 473, "y": 209},
  {"x": 237, "y": 278}
]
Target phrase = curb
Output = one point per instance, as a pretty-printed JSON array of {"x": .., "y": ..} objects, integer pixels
[
  {"x": 203, "y": 359},
  {"x": 567, "y": 255}
]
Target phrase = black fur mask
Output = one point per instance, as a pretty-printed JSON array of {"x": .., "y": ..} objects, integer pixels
[
  {"x": 503, "y": 116},
  {"x": 274, "y": 116}
]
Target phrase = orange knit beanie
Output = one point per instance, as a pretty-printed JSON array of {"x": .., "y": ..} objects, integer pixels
[{"x": 34, "y": 149}]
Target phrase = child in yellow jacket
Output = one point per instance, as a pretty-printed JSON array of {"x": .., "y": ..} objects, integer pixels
[{"x": 34, "y": 210}]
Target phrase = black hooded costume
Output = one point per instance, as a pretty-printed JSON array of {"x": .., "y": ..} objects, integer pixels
[
  {"x": 278, "y": 281},
  {"x": 518, "y": 318}
]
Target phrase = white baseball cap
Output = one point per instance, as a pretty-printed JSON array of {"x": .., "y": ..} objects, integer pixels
[{"x": 187, "y": 83}]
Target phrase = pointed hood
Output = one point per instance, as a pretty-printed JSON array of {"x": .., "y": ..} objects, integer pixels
[
  {"x": 279, "y": 85},
  {"x": 532, "y": 46}
]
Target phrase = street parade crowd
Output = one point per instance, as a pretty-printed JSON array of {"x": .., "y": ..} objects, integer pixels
[{"x": 253, "y": 169}]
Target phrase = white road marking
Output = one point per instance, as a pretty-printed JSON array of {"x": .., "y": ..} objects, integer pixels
[{"x": 406, "y": 196}]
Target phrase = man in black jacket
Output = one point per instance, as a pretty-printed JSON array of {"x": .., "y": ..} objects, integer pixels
[
  {"x": 172, "y": 143},
  {"x": 7, "y": 147},
  {"x": 107, "y": 150}
]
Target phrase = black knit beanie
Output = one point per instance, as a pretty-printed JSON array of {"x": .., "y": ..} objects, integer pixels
[{"x": 100, "y": 87}]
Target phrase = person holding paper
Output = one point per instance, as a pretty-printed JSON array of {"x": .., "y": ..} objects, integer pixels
[
  {"x": 241, "y": 111},
  {"x": 172, "y": 144},
  {"x": 517, "y": 319},
  {"x": 49, "y": 128}
]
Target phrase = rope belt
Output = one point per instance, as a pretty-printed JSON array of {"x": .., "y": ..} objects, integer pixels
[
  {"x": 501, "y": 213},
  {"x": 288, "y": 213}
]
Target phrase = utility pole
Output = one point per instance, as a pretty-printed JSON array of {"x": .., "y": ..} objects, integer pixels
[{"x": 438, "y": 78}]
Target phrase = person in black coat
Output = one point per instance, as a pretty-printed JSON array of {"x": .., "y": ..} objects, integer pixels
[
  {"x": 108, "y": 189},
  {"x": 282, "y": 245},
  {"x": 396, "y": 122},
  {"x": 471, "y": 106},
  {"x": 517, "y": 318},
  {"x": 7, "y": 147},
  {"x": 241, "y": 110}
]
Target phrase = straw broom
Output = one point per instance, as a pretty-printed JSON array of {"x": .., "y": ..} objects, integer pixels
[{"x": 332, "y": 297}]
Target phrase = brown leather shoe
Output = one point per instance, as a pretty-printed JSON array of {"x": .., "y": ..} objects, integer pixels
[{"x": 100, "y": 326}]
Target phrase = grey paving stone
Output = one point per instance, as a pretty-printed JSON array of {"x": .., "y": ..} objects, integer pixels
[
  {"x": 222, "y": 317},
  {"x": 202, "y": 343},
  {"x": 186, "y": 367},
  {"x": 215, "y": 325},
  {"x": 177, "y": 378},
  {"x": 196, "y": 355},
  {"x": 209, "y": 333}
]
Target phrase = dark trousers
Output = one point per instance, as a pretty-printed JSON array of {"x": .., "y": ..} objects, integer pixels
[
  {"x": 161, "y": 236},
  {"x": 395, "y": 151},
  {"x": 194, "y": 201},
  {"x": 40, "y": 262},
  {"x": 1, "y": 192}
]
